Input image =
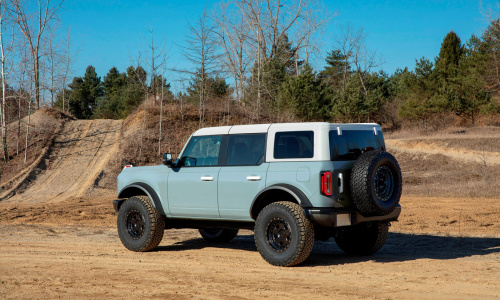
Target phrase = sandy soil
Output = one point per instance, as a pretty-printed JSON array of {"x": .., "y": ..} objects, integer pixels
[
  {"x": 58, "y": 242},
  {"x": 76, "y": 161},
  {"x": 440, "y": 248}
]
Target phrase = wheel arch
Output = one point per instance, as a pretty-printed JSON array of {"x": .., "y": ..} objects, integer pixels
[
  {"x": 276, "y": 193},
  {"x": 139, "y": 188}
]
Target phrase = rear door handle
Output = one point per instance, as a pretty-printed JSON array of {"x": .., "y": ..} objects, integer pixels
[
  {"x": 207, "y": 178},
  {"x": 341, "y": 183},
  {"x": 254, "y": 178}
]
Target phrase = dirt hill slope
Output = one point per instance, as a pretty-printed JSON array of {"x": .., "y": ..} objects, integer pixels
[{"x": 75, "y": 162}]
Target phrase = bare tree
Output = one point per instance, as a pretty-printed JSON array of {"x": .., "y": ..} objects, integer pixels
[
  {"x": 352, "y": 44},
  {"x": 231, "y": 35},
  {"x": 156, "y": 63},
  {"x": 33, "y": 28},
  {"x": 68, "y": 61},
  {"x": 5, "y": 49},
  {"x": 201, "y": 52},
  {"x": 163, "y": 70},
  {"x": 270, "y": 22},
  {"x": 54, "y": 62}
]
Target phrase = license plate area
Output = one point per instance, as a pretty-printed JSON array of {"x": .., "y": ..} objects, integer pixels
[{"x": 343, "y": 220}]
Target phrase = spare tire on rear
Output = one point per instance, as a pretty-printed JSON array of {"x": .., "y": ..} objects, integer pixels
[{"x": 376, "y": 183}]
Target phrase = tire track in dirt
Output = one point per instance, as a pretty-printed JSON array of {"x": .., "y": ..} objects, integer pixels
[
  {"x": 79, "y": 155},
  {"x": 416, "y": 147}
]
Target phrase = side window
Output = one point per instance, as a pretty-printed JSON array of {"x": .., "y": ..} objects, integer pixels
[
  {"x": 246, "y": 149},
  {"x": 294, "y": 144},
  {"x": 202, "y": 151}
]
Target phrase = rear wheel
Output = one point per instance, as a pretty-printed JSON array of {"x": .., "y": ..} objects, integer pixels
[
  {"x": 362, "y": 239},
  {"x": 140, "y": 225},
  {"x": 283, "y": 234},
  {"x": 218, "y": 235}
]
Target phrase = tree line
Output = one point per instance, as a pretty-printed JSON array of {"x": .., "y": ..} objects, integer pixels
[{"x": 260, "y": 55}]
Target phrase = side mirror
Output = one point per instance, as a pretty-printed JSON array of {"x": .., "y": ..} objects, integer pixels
[{"x": 167, "y": 159}]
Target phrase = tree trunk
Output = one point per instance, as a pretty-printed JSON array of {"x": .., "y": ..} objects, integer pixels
[
  {"x": 27, "y": 131},
  {"x": 161, "y": 117},
  {"x": 36, "y": 68},
  {"x": 18, "y": 123}
]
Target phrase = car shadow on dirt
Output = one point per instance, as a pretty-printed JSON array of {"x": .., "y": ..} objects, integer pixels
[{"x": 398, "y": 248}]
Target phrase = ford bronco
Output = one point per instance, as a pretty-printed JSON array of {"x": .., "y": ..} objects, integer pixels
[{"x": 290, "y": 183}]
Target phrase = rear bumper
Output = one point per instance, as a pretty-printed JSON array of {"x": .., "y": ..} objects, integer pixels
[{"x": 328, "y": 217}]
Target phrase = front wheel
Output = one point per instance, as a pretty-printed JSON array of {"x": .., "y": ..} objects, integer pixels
[
  {"x": 283, "y": 234},
  {"x": 218, "y": 235},
  {"x": 140, "y": 225},
  {"x": 362, "y": 239}
]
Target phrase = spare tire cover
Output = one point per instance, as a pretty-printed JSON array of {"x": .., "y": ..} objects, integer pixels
[{"x": 376, "y": 183}]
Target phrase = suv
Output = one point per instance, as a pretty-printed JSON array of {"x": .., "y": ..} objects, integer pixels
[{"x": 291, "y": 183}]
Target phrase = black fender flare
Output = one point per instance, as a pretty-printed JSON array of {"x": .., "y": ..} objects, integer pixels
[
  {"x": 126, "y": 192},
  {"x": 295, "y": 192}
]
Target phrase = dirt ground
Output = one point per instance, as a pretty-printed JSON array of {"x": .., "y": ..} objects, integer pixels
[
  {"x": 59, "y": 239},
  {"x": 441, "y": 248}
]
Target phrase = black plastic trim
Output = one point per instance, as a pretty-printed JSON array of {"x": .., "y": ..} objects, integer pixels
[
  {"x": 327, "y": 217},
  {"x": 299, "y": 196},
  {"x": 197, "y": 224},
  {"x": 149, "y": 191},
  {"x": 117, "y": 204}
]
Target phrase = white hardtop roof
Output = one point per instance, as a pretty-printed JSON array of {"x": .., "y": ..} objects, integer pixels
[{"x": 263, "y": 128}]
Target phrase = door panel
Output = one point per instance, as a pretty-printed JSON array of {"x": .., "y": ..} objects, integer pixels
[
  {"x": 192, "y": 188},
  {"x": 192, "y": 192},
  {"x": 238, "y": 186}
]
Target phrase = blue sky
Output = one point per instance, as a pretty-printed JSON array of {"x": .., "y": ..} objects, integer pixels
[{"x": 109, "y": 33}]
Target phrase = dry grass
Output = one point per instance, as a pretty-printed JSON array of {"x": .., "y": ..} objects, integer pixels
[
  {"x": 466, "y": 167},
  {"x": 43, "y": 124}
]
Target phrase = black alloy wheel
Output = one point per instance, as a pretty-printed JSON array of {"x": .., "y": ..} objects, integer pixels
[
  {"x": 135, "y": 224},
  {"x": 278, "y": 234}
]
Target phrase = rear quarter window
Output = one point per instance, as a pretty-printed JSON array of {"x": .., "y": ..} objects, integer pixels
[
  {"x": 352, "y": 143},
  {"x": 294, "y": 144}
]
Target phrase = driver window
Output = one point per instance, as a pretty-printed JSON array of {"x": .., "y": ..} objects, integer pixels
[{"x": 202, "y": 151}]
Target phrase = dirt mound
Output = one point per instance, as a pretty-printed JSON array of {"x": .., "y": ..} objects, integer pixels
[
  {"x": 56, "y": 113},
  {"x": 75, "y": 162}
]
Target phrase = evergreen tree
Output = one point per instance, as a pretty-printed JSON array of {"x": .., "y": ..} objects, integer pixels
[
  {"x": 467, "y": 96},
  {"x": 84, "y": 94},
  {"x": 305, "y": 94},
  {"x": 337, "y": 70},
  {"x": 421, "y": 95},
  {"x": 216, "y": 87},
  {"x": 449, "y": 56}
]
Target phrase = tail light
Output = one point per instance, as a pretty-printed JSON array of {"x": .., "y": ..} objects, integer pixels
[{"x": 326, "y": 183}]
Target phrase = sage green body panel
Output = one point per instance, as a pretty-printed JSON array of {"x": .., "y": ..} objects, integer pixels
[
  {"x": 191, "y": 196},
  {"x": 238, "y": 186}
]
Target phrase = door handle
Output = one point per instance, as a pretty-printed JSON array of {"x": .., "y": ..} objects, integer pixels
[
  {"x": 254, "y": 178},
  {"x": 341, "y": 183},
  {"x": 207, "y": 178}
]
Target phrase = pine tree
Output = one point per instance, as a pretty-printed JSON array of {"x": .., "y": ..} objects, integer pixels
[
  {"x": 305, "y": 95},
  {"x": 84, "y": 94},
  {"x": 449, "y": 56}
]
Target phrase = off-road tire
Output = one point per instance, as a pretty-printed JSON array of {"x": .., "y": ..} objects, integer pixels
[
  {"x": 140, "y": 225},
  {"x": 283, "y": 234},
  {"x": 218, "y": 235},
  {"x": 376, "y": 183},
  {"x": 362, "y": 239}
]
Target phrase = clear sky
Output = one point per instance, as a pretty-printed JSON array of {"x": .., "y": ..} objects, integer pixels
[{"x": 109, "y": 33}]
